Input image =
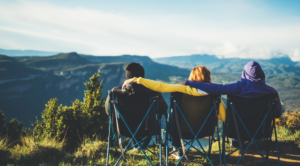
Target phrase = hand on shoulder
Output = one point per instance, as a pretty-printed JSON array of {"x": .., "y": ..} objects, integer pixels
[
  {"x": 126, "y": 82},
  {"x": 182, "y": 82}
]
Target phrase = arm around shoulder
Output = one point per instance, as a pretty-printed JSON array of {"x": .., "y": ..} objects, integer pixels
[{"x": 168, "y": 88}]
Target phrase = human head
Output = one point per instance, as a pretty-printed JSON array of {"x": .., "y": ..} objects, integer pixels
[
  {"x": 134, "y": 69},
  {"x": 253, "y": 72},
  {"x": 200, "y": 74}
]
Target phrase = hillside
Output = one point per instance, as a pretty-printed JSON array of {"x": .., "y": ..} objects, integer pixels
[
  {"x": 55, "y": 63},
  {"x": 288, "y": 70},
  {"x": 25, "y": 90},
  {"x": 11, "y": 68}
]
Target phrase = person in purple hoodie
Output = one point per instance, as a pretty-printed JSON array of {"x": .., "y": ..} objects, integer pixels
[{"x": 252, "y": 84}]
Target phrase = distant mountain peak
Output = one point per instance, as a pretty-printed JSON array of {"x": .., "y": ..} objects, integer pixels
[
  {"x": 71, "y": 55},
  {"x": 19, "y": 52},
  {"x": 56, "y": 62},
  {"x": 144, "y": 60}
]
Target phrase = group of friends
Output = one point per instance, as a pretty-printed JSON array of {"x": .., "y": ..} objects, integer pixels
[{"x": 252, "y": 84}]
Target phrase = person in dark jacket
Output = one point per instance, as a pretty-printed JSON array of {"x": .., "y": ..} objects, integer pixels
[{"x": 136, "y": 70}]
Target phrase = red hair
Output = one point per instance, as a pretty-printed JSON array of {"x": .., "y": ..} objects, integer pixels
[{"x": 200, "y": 74}]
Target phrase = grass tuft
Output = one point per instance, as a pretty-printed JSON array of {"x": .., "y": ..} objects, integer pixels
[{"x": 32, "y": 152}]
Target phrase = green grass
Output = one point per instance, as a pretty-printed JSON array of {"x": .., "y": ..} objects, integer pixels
[
  {"x": 287, "y": 135},
  {"x": 49, "y": 151}
]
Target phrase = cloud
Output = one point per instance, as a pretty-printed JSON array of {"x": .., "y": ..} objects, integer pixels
[
  {"x": 295, "y": 55},
  {"x": 48, "y": 26},
  {"x": 57, "y": 18},
  {"x": 231, "y": 50}
]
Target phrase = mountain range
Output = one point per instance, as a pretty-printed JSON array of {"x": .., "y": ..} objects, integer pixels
[
  {"x": 27, "y": 83},
  {"x": 281, "y": 65}
]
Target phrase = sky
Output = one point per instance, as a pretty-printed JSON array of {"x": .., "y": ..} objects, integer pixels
[{"x": 158, "y": 28}]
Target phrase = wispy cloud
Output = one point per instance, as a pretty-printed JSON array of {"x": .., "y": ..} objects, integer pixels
[
  {"x": 95, "y": 31},
  {"x": 231, "y": 50}
]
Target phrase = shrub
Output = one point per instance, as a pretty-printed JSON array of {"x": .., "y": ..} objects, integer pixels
[
  {"x": 290, "y": 120},
  {"x": 82, "y": 118}
]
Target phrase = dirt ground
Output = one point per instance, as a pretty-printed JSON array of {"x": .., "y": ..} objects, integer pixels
[{"x": 289, "y": 154}]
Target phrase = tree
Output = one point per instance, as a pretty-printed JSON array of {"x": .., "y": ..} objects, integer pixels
[
  {"x": 13, "y": 130},
  {"x": 96, "y": 119}
]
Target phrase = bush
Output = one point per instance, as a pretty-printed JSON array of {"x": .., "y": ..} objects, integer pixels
[
  {"x": 290, "y": 120},
  {"x": 82, "y": 118}
]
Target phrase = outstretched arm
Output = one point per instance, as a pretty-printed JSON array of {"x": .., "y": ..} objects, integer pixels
[
  {"x": 215, "y": 89},
  {"x": 166, "y": 88}
]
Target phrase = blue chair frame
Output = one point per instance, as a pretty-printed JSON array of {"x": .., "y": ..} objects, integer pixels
[
  {"x": 214, "y": 111},
  {"x": 112, "y": 104},
  {"x": 269, "y": 116}
]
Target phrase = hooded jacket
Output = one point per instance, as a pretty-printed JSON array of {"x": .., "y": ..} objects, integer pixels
[{"x": 252, "y": 84}]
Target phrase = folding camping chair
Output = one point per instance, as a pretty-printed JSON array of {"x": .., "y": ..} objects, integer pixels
[
  {"x": 129, "y": 120},
  {"x": 249, "y": 119},
  {"x": 192, "y": 123}
]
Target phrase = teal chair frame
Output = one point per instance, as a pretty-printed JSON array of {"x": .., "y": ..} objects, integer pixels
[
  {"x": 211, "y": 119},
  {"x": 114, "y": 106},
  {"x": 264, "y": 127}
]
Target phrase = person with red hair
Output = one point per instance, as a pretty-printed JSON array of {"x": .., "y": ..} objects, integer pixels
[{"x": 200, "y": 74}]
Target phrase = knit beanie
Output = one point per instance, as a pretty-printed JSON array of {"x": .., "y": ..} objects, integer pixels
[{"x": 134, "y": 69}]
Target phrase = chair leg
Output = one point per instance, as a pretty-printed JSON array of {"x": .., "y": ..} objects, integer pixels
[
  {"x": 167, "y": 144},
  {"x": 159, "y": 142},
  {"x": 108, "y": 145},
  {"x": 180, "y": 136},
  {"x": 220, "y": 155},
  {"x": 268, "y": 147},
  {"x": 223, "y": 145},
  {"x": 276, "y": 143},
  {"x": 209, "y": 145},
  {"x": 237, "y": 132}
]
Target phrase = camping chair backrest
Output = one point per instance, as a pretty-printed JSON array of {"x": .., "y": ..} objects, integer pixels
[
  {"x": 133, "y": 108},
  {"x": 252, "y": 111},
  {"x": 195, "y": 109}
]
